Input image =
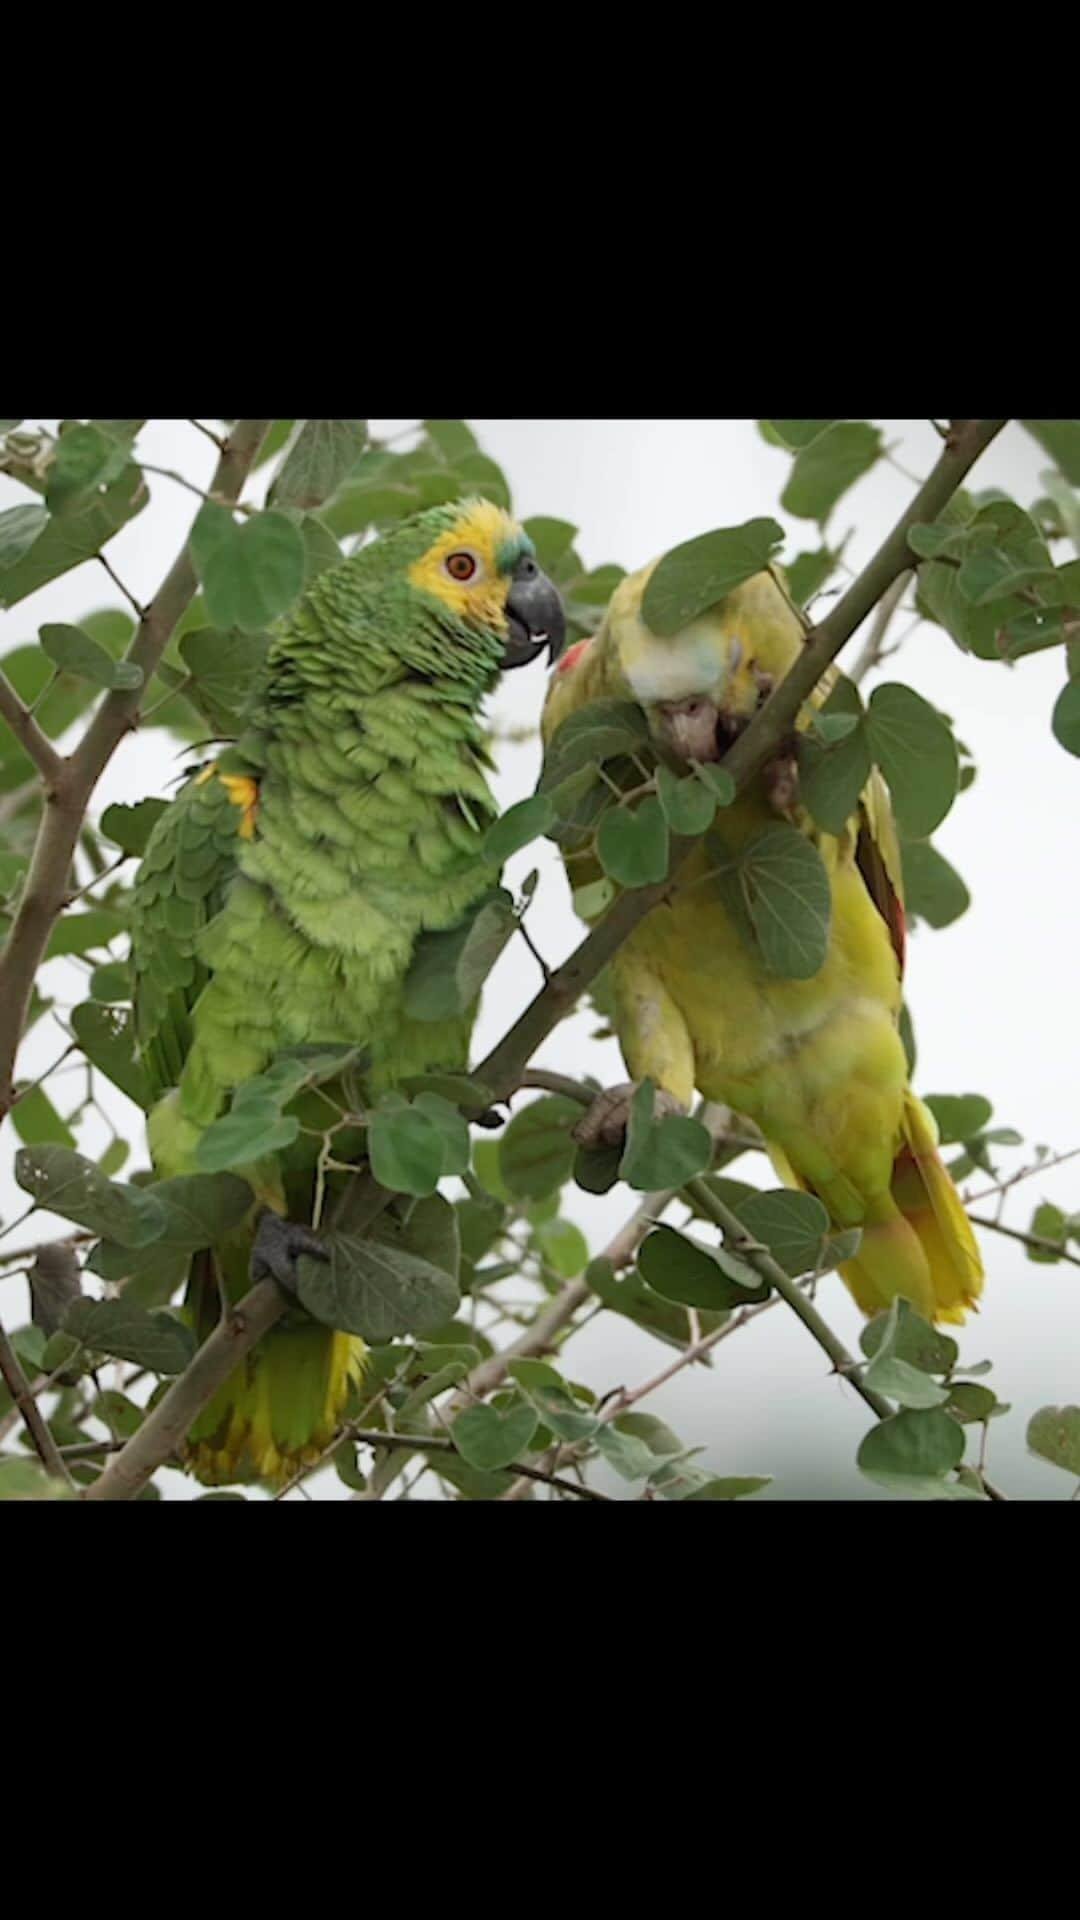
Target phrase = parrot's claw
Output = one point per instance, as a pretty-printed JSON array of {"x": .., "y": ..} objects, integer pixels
[
  {"x": 606, "y": 1121},
  {"x": 278, "y": 1245}
]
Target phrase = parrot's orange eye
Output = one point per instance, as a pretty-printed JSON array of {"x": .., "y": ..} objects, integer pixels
[{"x": 460, "y": 566}]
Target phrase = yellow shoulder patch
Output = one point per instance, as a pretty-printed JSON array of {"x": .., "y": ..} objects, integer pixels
[{"x": 242, "y": 790}]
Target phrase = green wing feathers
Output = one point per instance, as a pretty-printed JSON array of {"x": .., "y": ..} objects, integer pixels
[{"x": 190, "y": 859}]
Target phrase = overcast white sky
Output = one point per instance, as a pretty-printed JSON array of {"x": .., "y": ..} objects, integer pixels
[{"x": 993, "y": 997}]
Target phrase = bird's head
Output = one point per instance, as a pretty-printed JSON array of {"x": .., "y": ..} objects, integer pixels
[
  {"x": 482, "y": 601},
  {"x": 701, "y": 686}
]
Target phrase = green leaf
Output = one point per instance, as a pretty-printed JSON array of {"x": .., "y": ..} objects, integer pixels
[
  {"x": 792, "y": 1225},
  {"x": 489, "y": 1439},
  {"x": 552, "y": 539},
  {"x": 682, "y": 1270},
  {"x": 248, "y": 1133},
  {"x": 933, "y": 890},
  {"x": 1061, "y": 439},
  {"x": 890, "y": 1374},
  {"x": 1065, "y": 720},
  {"x": 777, "y": 891},
  {"x": 150, "y": 1275},
  {"x": 106, "y": 1035},
  {"x": 452, "y": 438},
  {"x": 73, "y": 651},
  {"x": 734, "y": 1487},
  {"x": 918, "y": 1446},
  {"x": 64, "y": 1182},
  {"x": 323, "y": 454},
  {"x": 407, "y": 1150},
  {"x": 700, "y": 572},
  {"x": 1047, "y": 1223},
  {"x": 591, "y": 901},
  {"x": 116, "y": 1411},
  {"x": 378, "y": 1291},
  {"x": 912, "y": 1339},
  {"x": 224, "y": 667},
  {"x": 827, "y": 466},
  {"x": 201, "y": 1208},
  {"x": 28, "y": 1480},
  {"x": 959, "y": 1115},
  {"x": 563, "y": 1246},
  {"x": 536, "y": 1151},
  {"x": 85, "y": 460},
  {"x": 831, "y": 777},
  {"x": 970, "y": 1402},
  {"x": 633, "y": 846},
  {"x": 916, "y": 752},
  {"x": 718, "y": 780},
  {"x": 82, "y": 932},
  {"x": 601, "y": 731},
  {"x": 1054, "y": 1434},
  {"x": 131, "y": 827},
  {"x": 596, "y": 1169},
  {"x": 19, "y": 528},
  {"x": 518, "y": 826},
  {"x": 451, "y": 1128},
  {"x": 796, "y": 434},
  {"x": 36, "y": 1120},
  {"x": 560, "y": 1411},
  {"x": 65, "y": 542},
  {"x": 254, "y": 572},
  {"x": 156, "y": 1340},
  {"x": 449, "y": 969},
  {"x": 689, "y": 805},
  {"x": 662, "y": 1153},
  {"x": 807, "y": 574}
]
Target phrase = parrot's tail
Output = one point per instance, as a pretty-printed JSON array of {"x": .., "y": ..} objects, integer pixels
[
  {"x": 920, "y": 1244},
  {"x": 279, "y": 1409}
]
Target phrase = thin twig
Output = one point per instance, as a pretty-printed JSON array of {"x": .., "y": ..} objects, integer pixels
[
  {"x": 423, "y": 1443},
  {"x": 210, "y": 434},
  {"x": 16, "y": 1383},
  {"x": 1036, "y": 1240},
  {"x": 140, "y": 610},
  {"x": 870, "y": 653}
]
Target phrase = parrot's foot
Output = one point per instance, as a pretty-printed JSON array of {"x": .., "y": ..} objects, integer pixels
[
  {"x": 606, "y": 1121},
  {"x": 278, "y": 1245},
  {"x": 780, "y": 779}
]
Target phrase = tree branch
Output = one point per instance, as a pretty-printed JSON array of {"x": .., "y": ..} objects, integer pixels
[
  {"x": 163, "y": 1430},
  {"x": 1036, "y": 1240},
  {"x": 26, "y": 730},
  {"x": 72, "y": 782}
]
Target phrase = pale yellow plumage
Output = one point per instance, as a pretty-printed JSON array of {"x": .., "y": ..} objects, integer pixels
[{"x": 817, "y": 1063}]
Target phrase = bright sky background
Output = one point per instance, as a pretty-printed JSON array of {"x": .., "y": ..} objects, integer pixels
[{"x": 993, "y": 997}]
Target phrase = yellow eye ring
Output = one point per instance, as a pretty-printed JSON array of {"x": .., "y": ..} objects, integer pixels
[{"x": 461, "y": 566}]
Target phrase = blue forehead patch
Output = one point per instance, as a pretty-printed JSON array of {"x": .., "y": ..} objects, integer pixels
[{"x": 512, "y": 550}]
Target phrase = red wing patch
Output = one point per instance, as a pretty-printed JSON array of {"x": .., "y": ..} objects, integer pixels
[
  {"x": 882, "y": 892},
  {"x": 573, "y": 654}
]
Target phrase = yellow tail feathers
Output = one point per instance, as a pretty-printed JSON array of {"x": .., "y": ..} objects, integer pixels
[
  {"x": 918, "y": 1240},
  {"x": 278, "y": 1410},
  {"x": 921, "y": 1245}
]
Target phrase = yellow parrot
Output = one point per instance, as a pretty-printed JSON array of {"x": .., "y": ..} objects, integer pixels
[{"x": 817, "y": 1063}]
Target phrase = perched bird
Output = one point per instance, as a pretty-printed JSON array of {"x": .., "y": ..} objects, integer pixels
[
  {"x": 282, "y": 893},
  {"x": 817, "y": 1063}
]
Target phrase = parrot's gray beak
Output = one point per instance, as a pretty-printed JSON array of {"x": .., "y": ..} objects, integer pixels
[{"x": 534, "y": 614}]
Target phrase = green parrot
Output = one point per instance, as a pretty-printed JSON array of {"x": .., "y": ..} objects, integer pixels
[
  {"x": 817, "y": 1063},
  {"x": 281, "y": 895}
]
